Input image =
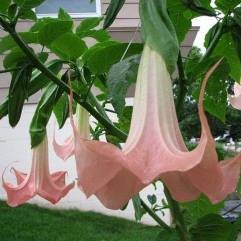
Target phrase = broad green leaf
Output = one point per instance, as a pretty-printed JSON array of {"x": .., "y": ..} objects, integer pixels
[
  {"x": 12, "y": 10},
  {"x": 7, "y": 43},
  {"x": 226, "y": 6},
  {"x": 42, "y": 114},
  {"x": 61, "y": 110},
  {"x": 237, "y": 40},
  {"x": 139, "y": 210},
  {"x": 168, "y": 235},
  {"x": 50, "y": 30},
  {"x": 211, "y": 33},
  {"x": 199, "y": 7},
  {"x": 212, "y": 228},
  {"x": 63, "y": 15},
  {"x": 38, "y": 82},
  {"x": 14, "y": 58},
  {"x": 88, "y": 24},
  {"x": 237, "y": 15},
  {"x": 181, "y": 21},
  {"x": 158, "y": 31},
  {"x": 68, "y": 46},
  {"x": 201, "y": 207},
  {"x": 97, "y": 58},
  {"x": 120, "y": 77},
  {"x": 28, "y": 15},
  {"x": 226, "y": 48},
  {"x": 124, "y": 121},
  {"x": 215, "y": 101},
  {"x": 99, "y": 35},
  {"x": 4, "y": 5},
  {"x": 28, "y": 4},
  {"x": 112, "y": 11},
  {"x": 18, "y": 92}
]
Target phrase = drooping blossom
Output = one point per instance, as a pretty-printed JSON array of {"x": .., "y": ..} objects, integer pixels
[
  {"x": 235, "y": 100},
  {"x": 39, "y": 181},
  {"x": 154, "y": 148}
]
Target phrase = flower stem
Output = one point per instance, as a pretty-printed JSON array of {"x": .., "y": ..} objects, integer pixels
[
  {"x": 182, "y": 90},
  {"x": 177, "y": 215},
  {"x": 154, "y": 215}
]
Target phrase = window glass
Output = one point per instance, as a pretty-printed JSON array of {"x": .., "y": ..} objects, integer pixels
[{"x": 71, "y": 6}]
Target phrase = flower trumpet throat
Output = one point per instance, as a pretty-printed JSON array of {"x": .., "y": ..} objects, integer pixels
[{"x": 39, "y": 181}]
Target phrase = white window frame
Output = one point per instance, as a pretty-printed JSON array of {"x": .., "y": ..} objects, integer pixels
[{"x": 76, "y": 15}]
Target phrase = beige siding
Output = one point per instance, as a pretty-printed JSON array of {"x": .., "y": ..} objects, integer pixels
[{"x": 122, "y": 29}]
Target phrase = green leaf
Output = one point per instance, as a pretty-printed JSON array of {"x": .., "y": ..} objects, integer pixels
[
  {"x": 168, "y": 235},
  {"x": 7, "y": 43},
  {"x": 14, "y": 58},
  {"x": 99, "y": 35},
  {"x": 88, "y": 24},
  {"x": 51, "y": 29},
  {"x": 211, "y": 33},
  {"x": 226, "y": 6},
  {"x": 226, "y": 48},
  {"x": 61, "y": 110},
  {"x": 158, "y": 31},
  {"x": 124, "y": 121},
  {"x": 28, "y": 15},
  {"x": 215, "y": 101},
  {"x": 237, "y": 15},
  {"x": 212, "y": 228},
  {"x": 63, "y": 15},
  {"x": 4, "y": 5},
  {"x": 18, "y": 92},
  {"x": 97, "y": 58},
  {"x": 237, "y": 40},
  {"x": 38, "y": 81},
  {"x": 177, "y": 12},
  {"x": 112, "y": 11},
  {"x": 28, "y": 4},
  {"x": 201, "y": 207},
  {"x": 152, "y": 199},
  {"x": 42, "y": 114},
  {"x": 139, "y": 210},
  {"x": 68, "y": 46},
  {"x": 120, "y": 77},
  {"x": 12, "y": 10},
  {"x": 199, "y": 7}
]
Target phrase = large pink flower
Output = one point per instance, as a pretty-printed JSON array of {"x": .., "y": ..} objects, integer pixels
[
  {"x": 39, "y": 181},
  {"x": 235, "y": 100},
  {"x": 154, "y": 148}
]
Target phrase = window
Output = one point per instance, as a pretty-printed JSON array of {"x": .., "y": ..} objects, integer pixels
[{"x": 76, "y": 8}]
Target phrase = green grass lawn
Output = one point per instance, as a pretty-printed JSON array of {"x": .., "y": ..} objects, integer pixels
[{"x": 31, "y": 223}]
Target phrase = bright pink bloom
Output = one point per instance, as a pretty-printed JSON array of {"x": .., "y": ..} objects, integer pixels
[
  {"x": 39, "y": 181},
  {"x": 235, "y": 100},
  {"x": 155, "y": 149}
]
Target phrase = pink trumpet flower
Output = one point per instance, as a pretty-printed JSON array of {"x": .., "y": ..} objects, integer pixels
[
  {"x": 39, "y": 181},
  {"x": 154, "y": 149},
  {"x": 235, "y": 100}
]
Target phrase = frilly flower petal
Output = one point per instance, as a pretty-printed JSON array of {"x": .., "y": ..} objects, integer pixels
[
  {"x": 38, "y": 181},
  {"x": 235, "y": 100}
]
